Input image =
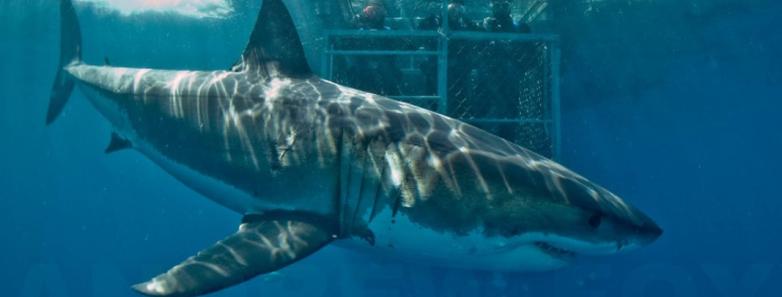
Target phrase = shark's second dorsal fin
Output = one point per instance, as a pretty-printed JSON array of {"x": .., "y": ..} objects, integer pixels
[
  {"x": 274, "y": 48},
  {"x": 117, "y": 143}
]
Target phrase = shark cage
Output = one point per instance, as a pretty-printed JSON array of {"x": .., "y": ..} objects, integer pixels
[{"x": 470, "y": 60}]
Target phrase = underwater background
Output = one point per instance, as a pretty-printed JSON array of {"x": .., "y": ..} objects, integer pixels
[{"x": 672, "y": 104}]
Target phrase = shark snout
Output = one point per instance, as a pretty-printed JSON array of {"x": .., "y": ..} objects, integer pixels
[
  {"x": 648, "y": 231},
  {"x": 634, "y": 230}
]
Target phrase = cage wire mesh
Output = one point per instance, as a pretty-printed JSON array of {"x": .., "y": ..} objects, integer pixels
[
  {"x": 411, "y": 9},
  {"x": 356, "y": 64},
  {"x": 502, "y": 85}
]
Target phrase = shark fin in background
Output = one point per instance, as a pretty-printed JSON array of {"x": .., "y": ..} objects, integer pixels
[
  {"x": 264, "y": 243},
  {"x": 274, "y": 47},
  {"x": 70, "y": 52},
  {"x": 118, "y": 143}
]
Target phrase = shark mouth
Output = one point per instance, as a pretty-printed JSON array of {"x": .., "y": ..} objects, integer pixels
[{"x": 555, "y": 252}]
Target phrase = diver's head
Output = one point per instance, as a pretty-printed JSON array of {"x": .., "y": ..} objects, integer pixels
[
  {"x": 500, "y": 8},
  {"x": 456, "y": 12},
  {"x": 374, "y": 13}
]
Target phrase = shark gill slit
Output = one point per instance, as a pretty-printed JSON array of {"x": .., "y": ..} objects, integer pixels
[
  {"x": 378, "y": 192},
  {"x": 397, "y": 203},
  {"x": 274, "y": 155},
  {"x": 347, "y": 166},
  {"x": 360, "y": 193},
  {"x": 338, "y": 196}
]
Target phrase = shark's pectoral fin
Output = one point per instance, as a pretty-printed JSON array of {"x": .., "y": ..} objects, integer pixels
[{"x": 264, "y": 243}]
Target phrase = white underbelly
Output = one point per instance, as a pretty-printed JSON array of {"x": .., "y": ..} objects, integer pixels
[
  {"x": 400, "y": 238},
  {"x": 214, "y": 189}
]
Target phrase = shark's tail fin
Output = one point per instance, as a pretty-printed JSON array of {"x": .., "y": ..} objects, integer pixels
[{"x": 70, "y": 52}]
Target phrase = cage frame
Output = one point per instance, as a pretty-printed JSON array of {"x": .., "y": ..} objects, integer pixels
[{"x": 443, "y": 36}]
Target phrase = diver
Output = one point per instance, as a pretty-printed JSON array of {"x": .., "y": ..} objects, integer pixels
[
  {"x": 373, "y": 73},
  {"x": 502, "y": 73},
  {"x": 372, "y": 17},
  {"x": 457, "y": 19},
  {"x": 501, "y": 19},
  {"x": 460, "y": 58}
]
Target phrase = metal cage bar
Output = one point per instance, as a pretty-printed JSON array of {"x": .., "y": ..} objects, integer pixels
[
  {"x": 556, "y": 59},
  {"x": 551, "y": 72},
  {"x": 381, "y": 53}
]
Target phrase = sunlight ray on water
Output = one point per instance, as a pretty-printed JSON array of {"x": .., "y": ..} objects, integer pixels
[{"x": 189, "y": 8}]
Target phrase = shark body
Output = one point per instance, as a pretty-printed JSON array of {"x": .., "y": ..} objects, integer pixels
[{"x": 309, "y": 162}]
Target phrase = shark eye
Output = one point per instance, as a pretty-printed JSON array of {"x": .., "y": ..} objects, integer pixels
[{"x": 595, "y": 220}]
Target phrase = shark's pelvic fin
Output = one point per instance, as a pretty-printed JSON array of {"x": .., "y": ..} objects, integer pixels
[
  {"x": 263, "y": 244},
  {"x": 274, "y": 47},
  {"x": 70, "y": 52},
  {"x": 118, "y": 143}
]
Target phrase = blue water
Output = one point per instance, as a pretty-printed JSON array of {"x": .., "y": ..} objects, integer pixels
[{"x": 675, "y": 107}]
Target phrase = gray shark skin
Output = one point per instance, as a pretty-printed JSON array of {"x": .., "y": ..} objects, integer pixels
[{"x": 309, "y": 162}]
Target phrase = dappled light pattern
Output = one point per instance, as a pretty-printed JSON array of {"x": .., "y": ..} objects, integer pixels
[
  {"x": 245, "y": 126},
  {"x": 257, "y": 248},
  {"x": 188, "y": 8}
]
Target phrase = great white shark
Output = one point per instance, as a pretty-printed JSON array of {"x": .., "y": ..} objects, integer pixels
[{"x": 309, "y": 163}]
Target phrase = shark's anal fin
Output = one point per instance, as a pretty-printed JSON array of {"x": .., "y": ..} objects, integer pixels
[
  {"x": 264, "y": 243},
  {"x": 117, "y": 143}
]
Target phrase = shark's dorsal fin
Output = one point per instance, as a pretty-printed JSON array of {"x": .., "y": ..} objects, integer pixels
[{"x": 274, "y": 48}]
